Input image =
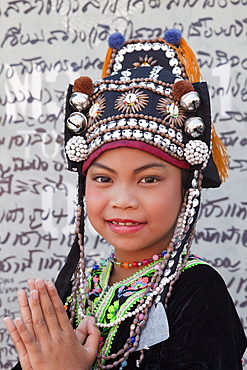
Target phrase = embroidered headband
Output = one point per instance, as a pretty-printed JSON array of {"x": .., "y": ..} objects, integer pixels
[{"x": 150, "y": 98}]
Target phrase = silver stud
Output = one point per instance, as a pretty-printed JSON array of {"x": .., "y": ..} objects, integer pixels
[
  {"x": 143, "y": 123},
  {"x": 167, "y": 271},
  {"x": 190, "y": 101},
  {"x": 176, "y": 70},
  {"x": 147, "y": 46},
  {"x": 156, "y": 46},
  {"x": 148, "y": 136},
  {"x": 157, "y": 138},
  {"x": 127, "y": 133},
  {"x": 77, "y": 122},
  {"x": 194, "y": 127},
  {"x": 153, "y": 125},
  {"x": 79, "y": 101}
]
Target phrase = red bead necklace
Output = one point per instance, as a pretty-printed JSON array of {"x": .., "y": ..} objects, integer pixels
[{"x": 144, "y": 262}]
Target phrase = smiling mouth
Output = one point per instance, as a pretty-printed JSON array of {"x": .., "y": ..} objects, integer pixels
[{"x": 125, "y": 223}]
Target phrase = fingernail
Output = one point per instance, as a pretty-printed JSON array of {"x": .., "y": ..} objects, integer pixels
[
  {"x": 50, "y": 285},
  {"x": 35, "y": 294},
  {"x": 40, "y": 283},
  {"x": 18, "y": 321}
]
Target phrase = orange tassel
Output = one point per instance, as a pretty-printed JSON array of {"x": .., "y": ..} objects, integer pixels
[
  {"x": 220, "y": 156},
  {"x": 188, "y": 59},
  {"x": 106, "y": 62}
]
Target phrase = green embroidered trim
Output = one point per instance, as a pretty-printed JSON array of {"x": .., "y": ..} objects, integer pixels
[
  {"x": 103, "y": 309},
  {"x": 194, "y": 261}
]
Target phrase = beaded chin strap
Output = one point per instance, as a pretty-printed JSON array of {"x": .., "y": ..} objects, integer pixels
[{"x": 166, "y": 274}]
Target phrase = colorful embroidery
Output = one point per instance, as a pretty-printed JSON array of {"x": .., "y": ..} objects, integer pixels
[
  {"x": 111, "y": 303},
  {"x": 97, "y": 109},
  {"x": 112, "y": 311},
  {"x": 96, "y": 288},
  {"x": 131, "y": 101},
  {"x": 173, "y": 113}
]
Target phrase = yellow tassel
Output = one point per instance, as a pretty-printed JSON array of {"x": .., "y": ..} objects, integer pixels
[
  {"x": 219, "y": 154},
  {"x": 106, "y": 62},
  {"x": 188, "y": 59}
]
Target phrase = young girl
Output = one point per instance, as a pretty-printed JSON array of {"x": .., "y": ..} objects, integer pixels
[{"x": 142, "y": 142}]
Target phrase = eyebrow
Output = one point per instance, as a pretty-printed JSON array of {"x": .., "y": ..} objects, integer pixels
[
  {"x": 148, "y": 166},
  {"x": 137, "y": 170},
  {"x": 100, "y": 165}
]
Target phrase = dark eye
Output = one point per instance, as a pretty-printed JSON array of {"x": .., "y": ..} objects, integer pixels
[
  {"x": 149, "y": 179},
  {"x": 104, "y": 179}
]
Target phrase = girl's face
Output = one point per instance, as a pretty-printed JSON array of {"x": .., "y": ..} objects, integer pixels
[{"x": 133, "y": 199}]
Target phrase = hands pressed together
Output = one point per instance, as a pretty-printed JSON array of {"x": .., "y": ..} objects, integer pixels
[{"x": 44, "y": 337}]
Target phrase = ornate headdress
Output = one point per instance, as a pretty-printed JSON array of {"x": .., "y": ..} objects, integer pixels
[{"x": 151, "y": 98}]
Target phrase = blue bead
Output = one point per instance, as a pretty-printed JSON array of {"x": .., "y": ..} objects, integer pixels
[
  {"x": 132, "y": 339},
  {"x": 124, "y": 363},
  {"x": 95, "y": 267}
]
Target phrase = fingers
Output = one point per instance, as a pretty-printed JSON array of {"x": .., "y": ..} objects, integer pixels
[
  {"x": 25, "y": 310},
  {"x": 88, "y": 334},
  {"x": 58, "y": 305},
  {"x": 52, "y": 307},
  {"x": 18, "y": 341},
  {"x": 43, "y": 312},
  {"x": 31, "y": 284},
  {"x": 39, "y": 323}
]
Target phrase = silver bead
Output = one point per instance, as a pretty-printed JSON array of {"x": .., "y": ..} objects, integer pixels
[
  {"x": 79, "y": 101},
  {"x": 77, "y": 122},
  {"x": 194, "y": 127},
  {"x": 190, "y": 101}
]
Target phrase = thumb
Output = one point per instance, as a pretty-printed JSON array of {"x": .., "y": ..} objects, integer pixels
[{"x": 87, "y": 332}]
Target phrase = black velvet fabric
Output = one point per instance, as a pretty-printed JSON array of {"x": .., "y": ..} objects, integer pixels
[{"x": 205, "y": 330}]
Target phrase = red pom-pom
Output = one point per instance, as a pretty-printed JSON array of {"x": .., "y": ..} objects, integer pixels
[
  {"x": 84, "y": 85},
  {"x": 181, "y": 88}
]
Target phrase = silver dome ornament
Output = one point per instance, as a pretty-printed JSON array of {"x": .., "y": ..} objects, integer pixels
[
  {"x": 194, "y": 127},
  {"x": 79, "y": 101},
  {"x": 76, "y": 149},
  {"x": 77, "y": 122},
  {"x": 196, "y": 152},
  {"x": 190, "y": 101}
]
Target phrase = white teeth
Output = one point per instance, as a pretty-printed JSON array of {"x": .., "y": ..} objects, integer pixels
[{"x": 124, "y": 223}]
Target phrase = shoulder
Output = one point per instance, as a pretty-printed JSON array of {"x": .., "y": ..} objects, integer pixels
[
  {"x": 200, "y": 289},
  {"x": 200, "y": 274}
]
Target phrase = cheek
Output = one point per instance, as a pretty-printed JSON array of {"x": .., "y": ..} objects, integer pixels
[
  {"x": 92, "y": 198},
  {"x": 95, "y": 202},
  {"x": 171, "y": 204}
]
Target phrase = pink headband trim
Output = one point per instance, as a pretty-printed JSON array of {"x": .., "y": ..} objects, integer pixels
[{"x": 134, "y": 145}]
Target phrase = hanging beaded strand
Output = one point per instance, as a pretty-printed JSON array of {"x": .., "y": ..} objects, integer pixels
[
  {"x": 80, "y": 287},
  {"x": 193, "y": 193}
]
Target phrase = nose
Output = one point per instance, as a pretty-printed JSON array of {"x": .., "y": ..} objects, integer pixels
[{"x": 124, "y": 197}]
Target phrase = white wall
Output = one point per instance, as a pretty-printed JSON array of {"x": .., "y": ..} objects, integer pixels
[{"x": 44, "y": 45}]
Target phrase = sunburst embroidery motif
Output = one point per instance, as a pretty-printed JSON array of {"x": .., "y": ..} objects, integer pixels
[
  {"x": 97, "y": 109},
  {"x": 132, "y": 101},
  {"x": 145, "y": 62},
  {"x": 172, "y": 112}
]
